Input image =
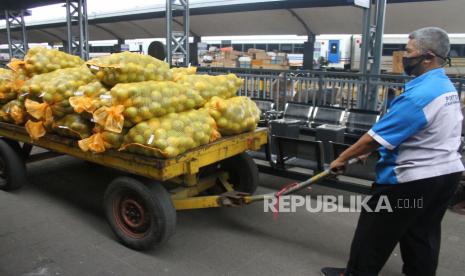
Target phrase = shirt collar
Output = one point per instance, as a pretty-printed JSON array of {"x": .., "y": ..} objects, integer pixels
[{"x": 432, "y": 73}]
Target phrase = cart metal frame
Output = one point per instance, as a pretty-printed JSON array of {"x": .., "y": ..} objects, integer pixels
[{"x": 182, "y": 170}]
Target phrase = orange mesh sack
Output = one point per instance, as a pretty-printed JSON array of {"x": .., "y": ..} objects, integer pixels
[
  {"x": 128, "y": 67},
  {"x": 223, "y": 86},
  {"x": 7, "y": 92},
  {"x": 40, "y": 60},
  {"x": 178, "y": 73},
  {"x": 171, "y": 135},
  {"x": 54, "y": 89},
  {"x": 235, "y": 115},
  {"x": 132, "y": 103},
  {"x": 87, "y": 97},
  {"x": 36, "y": 129},
  {"x": 73, "y": 126},
  {"x": 13, "y": 112},
  {"x": 102, "y": 140}
]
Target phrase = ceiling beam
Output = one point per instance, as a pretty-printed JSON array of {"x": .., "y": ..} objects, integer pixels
[
  {"x": 301, "y": 21},
  {"x": 107, "y": 31}
]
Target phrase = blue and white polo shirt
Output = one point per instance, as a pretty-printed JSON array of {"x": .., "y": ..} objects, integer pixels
[{"x": 420, "y": 133}]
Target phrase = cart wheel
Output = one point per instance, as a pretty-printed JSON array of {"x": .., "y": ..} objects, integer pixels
[
  {"x": 142, "y": 216},
  {"x": 23, "y": 151},
  {"x": 12, "y": 167},
  {"x": 243, "y": 172}
]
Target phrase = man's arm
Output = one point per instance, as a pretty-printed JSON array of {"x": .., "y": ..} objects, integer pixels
[{"x": 365, "y": 145}]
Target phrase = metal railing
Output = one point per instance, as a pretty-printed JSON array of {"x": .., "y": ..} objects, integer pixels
[{"x": 343, "y": 89}]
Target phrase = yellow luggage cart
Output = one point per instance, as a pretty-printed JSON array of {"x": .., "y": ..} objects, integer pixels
[{"x": 141, "y": 209}]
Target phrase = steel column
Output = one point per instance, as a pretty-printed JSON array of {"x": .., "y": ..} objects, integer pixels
[
  {"x": 364, "y": 55},
  {"x": 378, "y": 48},
  {"x": 16, "y": 48},
  {"x": 309, "y": 50},
  {"x": 76, "y": 15},
  {"x": 365, "y": 41},
  {"x": 177, "y": 42},
  {"x": 378, "y": 51}
]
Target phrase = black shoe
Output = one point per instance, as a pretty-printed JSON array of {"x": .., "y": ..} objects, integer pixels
[{"x": 333, "y": 271}]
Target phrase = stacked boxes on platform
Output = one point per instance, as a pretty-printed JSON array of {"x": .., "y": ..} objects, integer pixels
[
  {"x": 259, "y": 57},
  {"x": 253, "y": 58},
  {"x": 227, "y": 57},
  {"x": 270, "y": 60}
]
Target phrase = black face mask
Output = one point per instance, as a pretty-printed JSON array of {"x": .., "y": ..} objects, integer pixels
[{"x": 410, "y": 65}]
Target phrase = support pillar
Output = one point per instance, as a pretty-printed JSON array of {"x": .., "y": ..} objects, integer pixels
[
  {"x": 193, "y": 51},
  {"x": 76, "y": 15},
  {"x": 378, "y": 52},
  {"x": 13, "y": 19},
  {"x": 177, "y": 42},
  {"x": 309, "y": 50},
  {"x": 117, "y": 47},
  {"x": 364, "y": 56}
]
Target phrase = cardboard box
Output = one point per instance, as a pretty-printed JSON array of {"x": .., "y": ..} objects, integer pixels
[
  {"x": 397, "y": 66},
  {"x": 230, "y": 63},
  {"x": 230, "y": 55},
  {"x": 266, "y": 61},
  {"x": 257, "y": 62},
  {"x": 271, "y": 66},
  {"x": 253, "y": 51},
  {"x": 261, "y": 56},
  {"x": 217, "y": 64}
]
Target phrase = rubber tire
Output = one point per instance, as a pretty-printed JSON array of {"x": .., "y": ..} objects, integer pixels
[
  {"x": 14, "y": 167},
  {"x": 158, "y": 202},
  {"x": 243, "y": 172},
  {"x": 17, "y": 148}
]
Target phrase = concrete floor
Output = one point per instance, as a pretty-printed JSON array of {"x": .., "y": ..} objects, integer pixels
[{"x": 55, "y": 226}]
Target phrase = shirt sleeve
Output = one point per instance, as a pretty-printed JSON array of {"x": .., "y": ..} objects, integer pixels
[{"x": 404, "y": 119}]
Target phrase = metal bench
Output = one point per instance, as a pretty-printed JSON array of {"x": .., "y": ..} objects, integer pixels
[
  {"x": 359, "y": 122},
  {"x": 327, "y": 115},
  {"x": 298, "y": 111},
  {"x": 363, "y": 171},
  {"x": 299, "y": 153}
]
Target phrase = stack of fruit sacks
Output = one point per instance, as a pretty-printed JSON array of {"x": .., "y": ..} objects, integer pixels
[
  {"x": 129, "y": 67},
  {"x": 102, "y": 140},
  {"x": 88, "y": 98},
  {"x": 132, "y": 103},
  {"x": 223, "y": 86},
  {"x": 149, "y": 103},
  {"x": 235, "y": 115},
  {"x": 48, "y": 97},
  {"x": 37, "y": 61},
  {"x": 12, "y": 105},
  {"x": 107, "y": 107},
  {"x": 85, "y": 101},
  {"x": 40, "y": 60},
  {"x": 73, "y": 126},
  {"x": 13, "y": 112},
  {"x": 179, "y": 72},
  {"x": 6, "y": 86},
  {"x": 172, "y": 134}
]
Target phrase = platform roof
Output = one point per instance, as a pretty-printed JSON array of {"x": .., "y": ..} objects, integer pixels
[
  {"x": 234, "y": 17},
  {"x": 27, "y": 4}
]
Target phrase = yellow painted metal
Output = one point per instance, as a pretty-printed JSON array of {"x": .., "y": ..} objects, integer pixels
[
  {"x": 155, "y": 168},
  {"x": 202, "y": 185},
  {"x": 191, "y": 179},
  {"x": 197, "y": 202},
  {"x": 181, "y": 170},
  {"x": 224, "y": 181}
]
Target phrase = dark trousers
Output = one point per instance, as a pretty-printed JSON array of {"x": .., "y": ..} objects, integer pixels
[{"x": 417, "y": 230}]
